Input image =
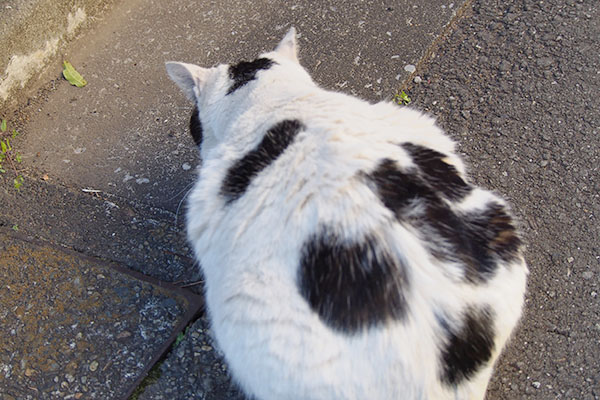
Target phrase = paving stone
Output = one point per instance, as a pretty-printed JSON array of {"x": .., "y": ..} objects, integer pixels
[{"x": 75, "y": 326}]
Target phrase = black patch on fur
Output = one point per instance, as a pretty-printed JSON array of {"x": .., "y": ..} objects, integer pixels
[
  {"x": 441, "y": 176},
  {"x": 245, "y": 71},
  {"x": 468, "y": 348},
  {"x": 273, "y": 144},
  {"x": 350, "y": 285},
  {"x": 477, "y": 240},
  {"x": 503, "y": 239},
  {"x": 397, "y": 189},
  {"x": 196, "y": 127}
]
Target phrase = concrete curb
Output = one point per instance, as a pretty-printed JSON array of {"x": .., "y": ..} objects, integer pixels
[{"x": 32, "y": 35}]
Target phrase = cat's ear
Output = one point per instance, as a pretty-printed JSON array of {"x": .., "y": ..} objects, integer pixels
[
  {"x": 288, "y": 46},
  {"x": 188, "y": 77}
]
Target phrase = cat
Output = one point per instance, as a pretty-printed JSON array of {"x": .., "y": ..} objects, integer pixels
[{"x": 345, "y": 253}]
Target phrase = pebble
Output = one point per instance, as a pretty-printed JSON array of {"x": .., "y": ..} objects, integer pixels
[
  {"x": 570, "y": 259},
  {"x": 53, "y": 366},
  {"x": 545, "y": 62},
  {"x": 93, "y": 366},
  {"x": 124, "y": 334},
  {"x": 186, "y": 166},
  {"x": 536, "y": 384},
  {"x": 587, "y": 275},
  {"x": 417, "y": 79},
  {"x": 410, "y": 68},
  {"x": 504, "y": 66}
]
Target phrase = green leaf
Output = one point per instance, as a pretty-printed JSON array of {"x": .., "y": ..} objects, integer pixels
[
  {"x": 179, "y": 338},
  {"x": 72, "y": 75},
  {"x": 15, "y": 133},
  {"x": 8, "y": 144},
  {"x": 15, "y": 227},
  {"x": 3, "y": 146},
  {"x": 2, "y": 170},
  {"x": 18, "y": 182},
  {"x": 402, "y": 99},
  {"x": 3, "y": 126},
  {"x": 18, "y": 158}
]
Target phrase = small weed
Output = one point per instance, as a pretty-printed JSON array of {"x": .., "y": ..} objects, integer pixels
[
  {"x": 8, "y": 155},
  {"x": 18, "y": 182},
  {"x": 156, "y": 371},
  {"x": 15, "y": 227},
  {"x": 152, "y": 377},
  {"x": 179, "y": 338},
  {"x": 402, "y": 99}
]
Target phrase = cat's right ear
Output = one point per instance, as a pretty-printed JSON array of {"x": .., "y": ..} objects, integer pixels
[
  {"x": 188, "y": 77},
  {"x": 288, "y": 46}
]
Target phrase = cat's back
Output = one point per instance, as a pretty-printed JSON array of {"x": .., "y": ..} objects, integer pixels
[
  {"x": 362, "y": 250},
  {"x": 345, "y": 252}
]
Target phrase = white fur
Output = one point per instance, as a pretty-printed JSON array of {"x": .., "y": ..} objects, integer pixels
[{"x": 275, "y": 345}]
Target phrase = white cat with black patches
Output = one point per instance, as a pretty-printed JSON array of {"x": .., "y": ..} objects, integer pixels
[{"x": 346, "y": 256}]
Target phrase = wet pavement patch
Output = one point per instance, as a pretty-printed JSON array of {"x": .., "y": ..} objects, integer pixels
[{"x": 75, "y": 327}]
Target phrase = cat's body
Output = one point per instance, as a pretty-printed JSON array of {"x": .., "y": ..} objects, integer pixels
[{"x": 345, "y": 255}]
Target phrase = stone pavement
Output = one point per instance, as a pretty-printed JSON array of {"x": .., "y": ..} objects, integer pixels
[
  {"x": 77, "y": 327},
  {"x": 107, "y": 166}
]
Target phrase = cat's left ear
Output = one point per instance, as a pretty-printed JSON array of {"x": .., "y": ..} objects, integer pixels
[
  {"x": 288, "y": 46},
  {"x": 188, "y": 77}
]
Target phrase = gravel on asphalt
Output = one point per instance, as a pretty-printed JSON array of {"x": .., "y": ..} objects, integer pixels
[{"x": 517, "y": 85}]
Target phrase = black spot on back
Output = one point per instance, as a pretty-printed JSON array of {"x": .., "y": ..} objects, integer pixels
[
  {"x": 478, "y": 240},
  {"x": 397, "y": 189},
  {"x": 245, "y": 71},
  {"x": 273, "y": 144},
  {"x": 351, "y": 285},
  {"x": 441, "y": 176},
  {"x": 468, "y": 348},
  {"x": 502, "y": 237},
  {"x": 196, "y": 127}
]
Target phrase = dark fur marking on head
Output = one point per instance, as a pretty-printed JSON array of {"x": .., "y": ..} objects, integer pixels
[
  {"x": 245, "y": 71},
  {"x": 442, "y": 177},
  {"x": 196, "y": 127},
  {"x": 469, "y": 347},
  {"x": 350, "y": 285},
  {"x": 273, "y": 144}
]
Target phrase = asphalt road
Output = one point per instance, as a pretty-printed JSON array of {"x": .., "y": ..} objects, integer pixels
[
  {"x": 515, "y": 82},
  {"x": 517, "y": 85}
]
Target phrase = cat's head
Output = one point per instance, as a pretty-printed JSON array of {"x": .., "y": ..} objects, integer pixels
[{"x": 226, "y": 90}]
